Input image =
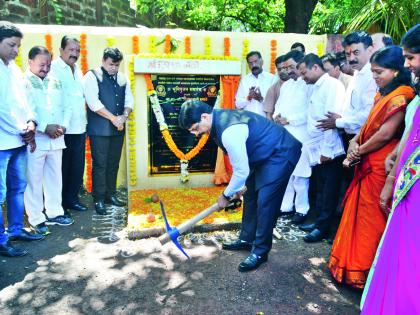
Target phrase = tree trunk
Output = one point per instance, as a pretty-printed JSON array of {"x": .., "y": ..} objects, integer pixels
[{"x": 298, "y": 15}]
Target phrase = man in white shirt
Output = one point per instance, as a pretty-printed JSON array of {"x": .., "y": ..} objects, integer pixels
[
  {"x": 324, "y": 147},
  {"x": 254, "y": 86},
  {"x": 291, "y": 111},
  {"x": 17, "y": 128},
  {"x": 47, "y": 100},
  {"x": 263, "y": 156},
  {"x": 110, "y": 101},
  {"x": 67, "y": 72},
  {"x": 358, "y": 49}
]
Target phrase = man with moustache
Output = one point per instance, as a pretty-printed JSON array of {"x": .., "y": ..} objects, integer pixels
[
  {"x": 358, "y": 48},
  {"x": 274, "y": 91},
  {"x": 110, "y": 101},
  {"x": 67, "y": 72},
  {"x": 254, "y": 86},
  {"x": 17, "y": 128},
  {"x": 291, "y": 112},
  {"x": 47, "y": 100}
]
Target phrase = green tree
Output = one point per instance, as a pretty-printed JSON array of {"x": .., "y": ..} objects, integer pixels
[{"x": 393, "y": 17}]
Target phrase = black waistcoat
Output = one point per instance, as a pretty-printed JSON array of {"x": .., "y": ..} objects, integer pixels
[
  {"x": 266, "y": 140},
  {"x": 112, "y": 96}
]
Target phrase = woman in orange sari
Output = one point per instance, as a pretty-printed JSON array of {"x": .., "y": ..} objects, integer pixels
[{"x": 363, "y": 221}]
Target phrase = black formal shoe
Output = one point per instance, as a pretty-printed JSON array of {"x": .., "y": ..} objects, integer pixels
[
  {"x": 113, "y": 200},
  {"x": 100, "y": 208},
  {"x": 10, "y": 251},
  {"x": 252, "y": 262},
  {"x": 298, "y": 218},
  {"x": 77, "y": 207},
  {"x": 237, "y": 245},
  {"x": 315, "y": 236},
  {"x": 307, "y": 227},
  {"x": 24, "y": 235},
  {"x": 287, "y": 214}
]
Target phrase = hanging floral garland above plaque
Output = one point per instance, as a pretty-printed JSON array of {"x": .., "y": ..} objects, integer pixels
[{"x": 183, "y": 157}]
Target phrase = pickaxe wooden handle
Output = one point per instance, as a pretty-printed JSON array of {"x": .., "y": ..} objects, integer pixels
[{"x": 183, "y": 227}]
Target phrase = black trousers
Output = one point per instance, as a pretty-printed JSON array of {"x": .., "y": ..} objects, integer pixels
[
  {"x": 328, "y": 178},
  {"x": 73, "y": 167},
  {"x": 261, "y": 207},
  {"x": 106, "y": 154}
]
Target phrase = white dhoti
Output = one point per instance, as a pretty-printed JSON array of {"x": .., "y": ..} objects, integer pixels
[
  {"x": 298, "y": 186},
  {"x": 44, "y": 185}
]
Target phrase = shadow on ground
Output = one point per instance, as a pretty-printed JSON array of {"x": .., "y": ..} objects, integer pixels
[{"x": 71, "y": 272}]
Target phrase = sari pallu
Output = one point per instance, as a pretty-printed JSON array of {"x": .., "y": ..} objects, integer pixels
[
  {"x": 394, "y": 281},
  {"x": 363, "y": 222}
]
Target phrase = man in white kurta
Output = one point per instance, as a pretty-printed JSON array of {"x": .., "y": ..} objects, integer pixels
[
  {"x": 47, "y": 99},
  {"x": 66, "y": 70},
  {"x": 254, "y": 86},
  {"x": 291, "y": 111},
  {"x": 324, "y": 147}
]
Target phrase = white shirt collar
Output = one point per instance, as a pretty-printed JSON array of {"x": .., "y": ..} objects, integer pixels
[
  {"x": 62, "y": 64},
  {"x": 365, "y": 69}
]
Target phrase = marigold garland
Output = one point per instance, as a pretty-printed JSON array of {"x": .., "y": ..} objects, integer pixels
[
  {"x": 135, "y": 45},
  {"x": 48, "y": 42},
  {"x": 245, "y": 50},
  {"x": 131, "y": 129},
  {"x": 88, "y": 158},
  {"x": 187, "y": 45},
  {"x": 207, "y": 45},
  {"x": 226, "y": 44},
  {"x": 167, "y": 48},
  {"x": 83, "y": 54},
  {"x": 320, "y": 47},
  {"x": 183, "y": 157},
  {"x": 152, "y": 44},
  {"x": 110, "y": 41},
  {"x": 273, "y": 56}
]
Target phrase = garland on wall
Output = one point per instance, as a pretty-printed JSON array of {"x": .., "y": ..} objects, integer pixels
[
  {"x": 88, "y": 154},
  {"x": 273, "y": 53},
  {"x": 135, "y": 47},
  {"x": 207, "y": 46},
  {"x": 245, "y": 51},
  {"x": 110, "y": 41},
  {"x": 48, "y": 42},
  {"x": 320, "y": 47},
  {"x": 226, "y": 46},
  {"x": 187, "y": 45},
  {"x": 152, "y": 44},
  {"x": 131, "y": 124},
  {"x": 131, "y": 128}
]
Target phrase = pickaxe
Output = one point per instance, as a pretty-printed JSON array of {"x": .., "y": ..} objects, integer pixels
[{"x": 174, "y": 232}]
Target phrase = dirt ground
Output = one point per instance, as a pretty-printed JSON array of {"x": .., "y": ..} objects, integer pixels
[{"x": 92, "y": 268}]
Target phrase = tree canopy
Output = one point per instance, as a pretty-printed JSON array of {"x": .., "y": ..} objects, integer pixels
[{"x": 298, "y": 16}]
